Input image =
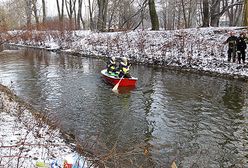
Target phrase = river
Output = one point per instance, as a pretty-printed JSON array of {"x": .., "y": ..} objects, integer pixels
[{"x": 198, "y": 121}]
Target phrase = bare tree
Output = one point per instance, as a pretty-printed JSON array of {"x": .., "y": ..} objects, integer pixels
[
  {"x": 131, "y": 16},
  {"x": 205, "y": 19},
  {"x": 153, "y": 15},
  {"x": 44, "y": 10},
  {"x": 61, "y": 10},
  {"x": 70, "y": 8},
  {"x": 91, "y": 9},
  {"x": 102, "y": 14},
  {"x": 246, "y": 13},
  {"x": 113, "y": 9},
  {"x": 28, "y": 9},
  {"x": 34, "y": 5},
  {"x": 170, "y": 13},
  {"x": 219, "y": 7},
  {"x": 79, "y": 15}
]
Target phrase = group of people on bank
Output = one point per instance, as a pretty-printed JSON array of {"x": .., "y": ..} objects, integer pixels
[
  {"x": 118, "y": 67},
  {"x": 237, "y": 47}
]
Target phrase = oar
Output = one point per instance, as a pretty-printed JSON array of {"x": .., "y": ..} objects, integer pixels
[{"x": 115, "y": 88}]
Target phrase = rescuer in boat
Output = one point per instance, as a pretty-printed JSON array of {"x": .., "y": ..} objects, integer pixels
[
  {"x": 112, "y": 66},
  {"x": 124, "y": 68}
]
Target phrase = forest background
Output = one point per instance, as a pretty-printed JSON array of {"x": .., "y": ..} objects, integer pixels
[{"x": 121, "y": 15}]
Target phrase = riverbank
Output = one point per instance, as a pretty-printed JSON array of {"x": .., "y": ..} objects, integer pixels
[
  {"x": 198, "y": 50},
  {"x": 151, "y": 61},
  {"x": 27, "y": 140}
]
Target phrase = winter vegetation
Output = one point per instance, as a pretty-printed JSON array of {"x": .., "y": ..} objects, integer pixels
[
  {"x": 116, "y": 15},
  {"x": 184, "y": 35},
  {"x": 27, "y": 140},
  {"x": 187, "y": 32},
  {"x": 199, "y": 50}
]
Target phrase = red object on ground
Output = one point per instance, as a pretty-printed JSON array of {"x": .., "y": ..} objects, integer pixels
[{"x": 67, "y": 165}]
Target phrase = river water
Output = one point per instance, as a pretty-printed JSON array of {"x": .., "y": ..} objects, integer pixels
[{"x": 198, "y": 121}]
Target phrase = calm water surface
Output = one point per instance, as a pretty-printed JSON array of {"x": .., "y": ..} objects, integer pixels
[{"x": 197, "y": 120}]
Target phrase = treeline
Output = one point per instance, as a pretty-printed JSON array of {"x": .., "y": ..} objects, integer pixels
[{"x": 116, "y": 15}]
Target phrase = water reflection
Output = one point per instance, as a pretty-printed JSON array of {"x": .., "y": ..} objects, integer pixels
[
  {"x": 234, "y": 97},
  {"x": 199, "y": 121}
]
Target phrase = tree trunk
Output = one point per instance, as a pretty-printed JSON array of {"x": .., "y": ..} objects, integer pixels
[
  {"x": 92, "y": 27},
  {"x": 205, "y": 20},
  {"x": 44, "y": 11},
  {"x": 102, "y": 14},
  {"x": 35, "y": 13},
  {"x": 28, "y": 12},
  {"x": 79, "y": 14},
  {"x": 215, "y": 10},
  {"x": 170, "y": 15},
  {"x": 70, "y": 8},
  {"x": 61, "y": 10},
  {"x": 246, "y": 13},
  {"x": 112, "y": 12},
  {"x": 153, "y": 15},
  {"x": 231, "y": 15},
  {"x": 184, "y": 14}
]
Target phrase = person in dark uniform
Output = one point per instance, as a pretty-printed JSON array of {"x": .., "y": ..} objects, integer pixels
[
  {"x": 246, "y": 37},
  {"x": 232, "y": 47},
  {"x": 111, "y": 66},
  {"x": 124, "y": 68},
  {"x": 241, "y": 46}
]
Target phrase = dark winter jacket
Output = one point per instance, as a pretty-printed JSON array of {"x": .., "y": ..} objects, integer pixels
[
  {"x": 232, "y": 41},
  {"x": 246, "y": 40},
  {"x": 241, "y": 44}
]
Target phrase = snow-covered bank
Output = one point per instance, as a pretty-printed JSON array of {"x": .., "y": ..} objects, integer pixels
[
  {"x": 26, "y": 140},
  {"x": 199, "y": 49}
]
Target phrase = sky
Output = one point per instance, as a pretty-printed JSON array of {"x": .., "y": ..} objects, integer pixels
[{"x": 51, "y": 7}]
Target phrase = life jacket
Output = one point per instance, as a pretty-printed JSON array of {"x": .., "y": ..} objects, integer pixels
[
  {"x": 124, "y": 67},
  {"x": 111, "y": 67}
]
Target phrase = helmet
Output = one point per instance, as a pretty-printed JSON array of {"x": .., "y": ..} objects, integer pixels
[
  {"x": 112, "y": 60},
  {"x": 124, "y": 59}
]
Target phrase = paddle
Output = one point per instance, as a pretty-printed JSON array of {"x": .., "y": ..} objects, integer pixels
[{"x": 115, "y": 88}]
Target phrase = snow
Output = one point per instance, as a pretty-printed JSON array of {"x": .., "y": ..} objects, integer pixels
[
  {"x": 27, "y": 141},
  {"x": 198, "y": 49}
]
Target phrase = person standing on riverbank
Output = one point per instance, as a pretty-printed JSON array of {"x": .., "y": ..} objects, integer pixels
[
  {"x": 241, "y": 46},
  {"x": 246, "y": 38},
  {"x": 232, "y": 47}
]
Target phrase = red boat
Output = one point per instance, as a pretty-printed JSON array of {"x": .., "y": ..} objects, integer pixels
[{"x": 114, "y": 79}]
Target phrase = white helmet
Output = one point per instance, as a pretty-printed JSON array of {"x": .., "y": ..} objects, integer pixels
[
  {"x": 124, "y": 60},
  {"x": 112, "y": 60}
]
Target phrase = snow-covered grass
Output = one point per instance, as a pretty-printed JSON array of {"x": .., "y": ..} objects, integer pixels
[
  {"x": 198, "y": 49},
  {"x": 27, "y": 141},
  {"x": 24, "y": 140}
]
